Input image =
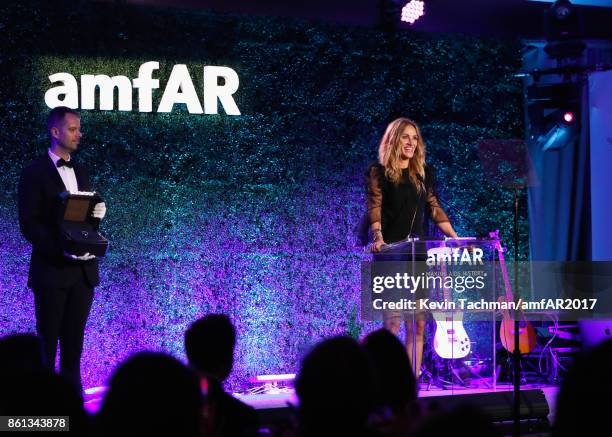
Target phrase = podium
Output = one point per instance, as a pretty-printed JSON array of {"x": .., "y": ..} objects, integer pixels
[{"x": 458, "y": 282}]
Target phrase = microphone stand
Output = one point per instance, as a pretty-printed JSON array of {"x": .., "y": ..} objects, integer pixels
[{"x": 516, "y": 356}]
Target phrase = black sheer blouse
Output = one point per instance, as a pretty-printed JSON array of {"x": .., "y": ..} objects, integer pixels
[{"x": 401, "y": 208}]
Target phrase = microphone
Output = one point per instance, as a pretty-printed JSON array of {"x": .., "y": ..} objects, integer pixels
[{"x": 480, "y": 233}]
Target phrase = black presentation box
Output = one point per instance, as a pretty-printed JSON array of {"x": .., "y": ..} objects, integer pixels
[{"x": 78, "y": 228}]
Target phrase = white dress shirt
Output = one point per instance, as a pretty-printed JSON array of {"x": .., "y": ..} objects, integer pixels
[{"x": 66, "y": 173}]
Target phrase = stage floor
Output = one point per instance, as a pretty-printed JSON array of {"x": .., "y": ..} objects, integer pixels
[{"x": 282, "y": 398}]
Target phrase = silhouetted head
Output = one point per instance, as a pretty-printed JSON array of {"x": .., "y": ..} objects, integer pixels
[
  {"x": 41, "y": 392},
  {"x": 22, "y": 352},
  {"x": 582, "y": 408},
  {"x": 209, "y": 344},
  {"x": 152, "y": 393},
  {"x": 336, "y": 388},
  {"x": 397, "y": 384}
]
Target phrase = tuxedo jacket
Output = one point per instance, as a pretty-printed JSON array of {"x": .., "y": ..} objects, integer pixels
[{"x": 38, "y": 196}]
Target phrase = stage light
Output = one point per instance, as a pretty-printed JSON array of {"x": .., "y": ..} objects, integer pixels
[
  {"x": 413, "y": 10},
  {"x": 568, "y": 117},
  {"x": 563, "y": 30},
  {"x": 560, "y": 130},
  {"x": 553, "y": 114},
  {"x": 274, "y": 378},
  {"x": 271, "y": 384},
  {"x": 562, "y": 9}
]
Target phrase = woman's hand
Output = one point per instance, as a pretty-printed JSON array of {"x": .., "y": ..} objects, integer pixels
[
  {"x": 377, "y": 236},
  {"x": 376, "y": 245}
]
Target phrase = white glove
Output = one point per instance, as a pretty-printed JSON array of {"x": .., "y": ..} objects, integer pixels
[
  {"x": 99, "y": 211},
  {"x": 85, "y": 257}
]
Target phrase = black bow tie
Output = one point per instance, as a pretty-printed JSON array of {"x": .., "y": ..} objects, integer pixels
[{"x": 62, "y": 162}]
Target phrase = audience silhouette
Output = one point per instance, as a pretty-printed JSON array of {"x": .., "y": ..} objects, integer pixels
[
  {"x": 396, "y": 405},
  {"x": 28, "y": 386},
  {"x": 336, "y": 389},
  {"x": 343, "y": 387},
  {"x": 151, "y": 394},
  {"x": 209, "y": 344},
  {"x": 581, "y": 407}
]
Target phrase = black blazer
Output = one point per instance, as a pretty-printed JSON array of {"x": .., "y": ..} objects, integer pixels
[{"x": 39, "y": 187}]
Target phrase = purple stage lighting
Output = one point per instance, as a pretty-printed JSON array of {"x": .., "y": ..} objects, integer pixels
[
  {"x": 274, "y": 378},
  {"x": 568, "y": 117},
  {"x": 413, "y": 10}
]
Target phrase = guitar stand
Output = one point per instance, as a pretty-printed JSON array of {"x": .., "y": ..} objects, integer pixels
[
  {"x": 472, "y": 372},
  {"x": 434, "y": 380},
  {"x": 446, "y": 373},
  {"x": 438, "y": 381},
  {"x": 454, "y": 373}
]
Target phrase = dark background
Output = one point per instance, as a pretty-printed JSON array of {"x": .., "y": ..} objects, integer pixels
[{"x": 498, "y": 18}]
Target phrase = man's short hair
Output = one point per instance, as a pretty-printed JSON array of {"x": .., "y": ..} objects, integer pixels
[
  {"x": 56, "y": 116},
  {"x": 209, "y": 343}
]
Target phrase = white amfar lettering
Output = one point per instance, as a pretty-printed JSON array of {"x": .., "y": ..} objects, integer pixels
[
  {"x": 146, "y": 85},
  {"x": 69, "y": 89},
  {"x": 107, "y": 86},
  {"x": 179, "y": 89},
  {"x": 212, "y": 90}
]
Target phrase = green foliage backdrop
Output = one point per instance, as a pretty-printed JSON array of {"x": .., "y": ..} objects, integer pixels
[{"x": 250, "y": 215}]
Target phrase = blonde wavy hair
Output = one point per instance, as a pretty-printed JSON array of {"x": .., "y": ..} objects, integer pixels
[{"x": 390, "y": 154}]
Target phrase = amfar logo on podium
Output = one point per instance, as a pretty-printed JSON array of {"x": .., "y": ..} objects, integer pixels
[{"x": 179, "y": 89}]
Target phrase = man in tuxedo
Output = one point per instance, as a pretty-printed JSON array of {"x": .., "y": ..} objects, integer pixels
[{"x": 62, "y": 283}]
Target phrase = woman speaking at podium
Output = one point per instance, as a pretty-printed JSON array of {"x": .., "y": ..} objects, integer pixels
[{"x": 400, "y": 191}]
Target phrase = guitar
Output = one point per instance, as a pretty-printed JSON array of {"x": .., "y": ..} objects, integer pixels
[
  {"x": 451, "y": 339},
  {"x": 527, "y": 335}
]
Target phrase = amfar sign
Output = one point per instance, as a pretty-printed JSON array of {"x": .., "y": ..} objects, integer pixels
[{"x": 179, "y": 89}]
